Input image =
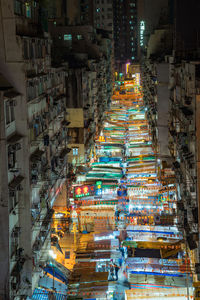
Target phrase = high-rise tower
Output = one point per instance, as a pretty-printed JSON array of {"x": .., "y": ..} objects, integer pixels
[{"x": 125, "y": 31}]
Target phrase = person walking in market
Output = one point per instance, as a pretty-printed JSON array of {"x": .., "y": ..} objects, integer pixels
[
  {"x": 112, "y": 270},
  {"x": 116, "y": 271}
]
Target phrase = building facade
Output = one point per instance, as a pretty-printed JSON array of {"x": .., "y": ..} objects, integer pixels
[
  {"x": 33, "y": 118},
  {"x": 125, "y": 31}
]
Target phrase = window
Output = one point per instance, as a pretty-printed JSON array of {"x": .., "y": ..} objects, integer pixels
[
  {"x": 67, "y": 37},
  {"x": 79, "y": 37},
  {"x": 132, "y": 27},
  {"x": 14, "y": 240},
  {"x": 75, "y": 151},
  {"x": 9, "y": 111},
  {"x": 26, "y": 56},
  {"x": 13, "y": 200},
  {"x": 28, "y": 10},
  {"x": 133, "y": 57},
  {"x": 18, "y": 7},
  {"x": 11, "y": 158}
]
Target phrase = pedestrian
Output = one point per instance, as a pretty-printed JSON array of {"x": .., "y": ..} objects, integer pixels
[
  {"x": 112, "y": 272},
  {"x": 120, "y": 261},
  {"x": 130, "y": 251},
  {"x": 116, "y": 271}
]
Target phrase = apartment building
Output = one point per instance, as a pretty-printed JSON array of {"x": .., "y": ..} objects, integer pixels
[
  {"x": 125, "y": 32},
  {"x": 33, "y": 143},
  {"x": 184, "y": 144},
  {"x": 89, "y": 83},
  {"x": 155, "y": 76},
  {"x": 103, "y": 12}
]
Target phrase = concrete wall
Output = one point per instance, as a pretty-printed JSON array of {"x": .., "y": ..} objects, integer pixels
[
  {"x": 75, "y": 116},
  {"x": 163, "y": 107}
]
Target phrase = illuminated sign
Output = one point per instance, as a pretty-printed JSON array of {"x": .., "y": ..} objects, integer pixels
[
  {"x": 129, "y": 83},
  {"x": 83, "y": 191},
  {"x": 142, "y": 29},
  {"x": 127, "y": 67},
  {"x": 137, "y": 78},
  {"x": 101, "y": 138},
  {"x": 98, "y": 188}
]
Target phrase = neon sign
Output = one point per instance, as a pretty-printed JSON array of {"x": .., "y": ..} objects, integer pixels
[
  {"x": 142, "y": 29},
  {"x": 83, "y": 191},
  {"x": 101, "y": 138}
]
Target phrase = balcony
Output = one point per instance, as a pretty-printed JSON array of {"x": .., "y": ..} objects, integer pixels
[{"x": 36, "y": 127}]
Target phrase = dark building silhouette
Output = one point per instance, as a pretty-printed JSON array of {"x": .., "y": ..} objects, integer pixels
[{"x": 125, "y": 31}]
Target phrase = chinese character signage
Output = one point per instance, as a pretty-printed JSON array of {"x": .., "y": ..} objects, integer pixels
[
  {"x": 83, "y": 191},
  {"x": 101, "y": 138}
]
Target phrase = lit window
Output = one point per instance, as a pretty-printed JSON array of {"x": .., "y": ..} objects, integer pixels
[
  {"x": 79, "y": 37},
  {"x": 75, "y": 151},
  {"x": 67, "y": 37},
  {"x": 28, "y": 10},
  {"x": 133, "y": 57},
  {"x": 131, "y": 27}
]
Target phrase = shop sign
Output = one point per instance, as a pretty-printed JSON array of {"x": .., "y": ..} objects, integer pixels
[
  {"x": 142, "y": 29},
  {"x": 98, "y": 191},
  {"x": 101, "y": 138},
  {"x": 84, "y": 191},
  {"x": 130, "y": 244}
]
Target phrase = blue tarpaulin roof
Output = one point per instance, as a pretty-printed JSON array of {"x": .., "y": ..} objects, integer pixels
[
  {"x": 54, "y": 271},
  {"x": 42, "y": 294}
]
